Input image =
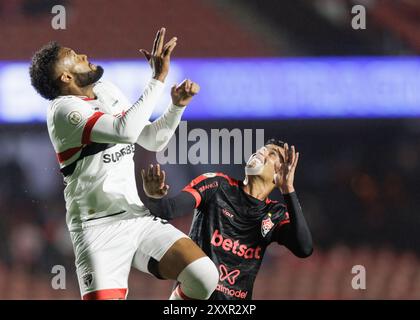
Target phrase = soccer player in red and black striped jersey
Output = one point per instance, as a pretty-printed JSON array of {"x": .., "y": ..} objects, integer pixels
[{"x": 235, "y": 221}]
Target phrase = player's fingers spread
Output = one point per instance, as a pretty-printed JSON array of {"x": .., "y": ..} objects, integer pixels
[
  {"x": 143, "y": 175},
  {"x": 286, "y": 153},
  {"x": 155, "y": 174},
  {"x": 163, "y": 176},
  {"x": 168, "y": 44},
  {"x": 160, "y": 42},
  {"x": 150, "y": 172},
  {"x": 155, "y": 43},
  {"x": 292, "y": 155},
  {"x": 173, "y": 40},
  {"x": 281, "y": 157},
  {"x": 146, "y": 54},
  {"x": 296, "y": 160},
  {"x": 167, "y": 52},
  {"x": 158, "y": 170}
]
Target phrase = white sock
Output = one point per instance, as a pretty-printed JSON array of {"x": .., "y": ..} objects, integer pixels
[{"x": 198, "y": 280}]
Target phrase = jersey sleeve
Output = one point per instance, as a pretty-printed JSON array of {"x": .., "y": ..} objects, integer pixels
[
  {"x": 73, "y": 121},
  {"x": 76, "y": 122},
  {"x": 204, "y": 187},
  {"x": 127, "y": 128},
  {"x": 156, "y": 135},
  {"x": 275, "y": 221},
  {"x": 295, "y": 235}
]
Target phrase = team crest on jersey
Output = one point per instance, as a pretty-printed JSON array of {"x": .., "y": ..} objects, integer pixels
[
  {"x": 75, "y": 117},
  {"x": 87, "y": 280},
  {"x": 266, "y": 225},
  {"x": 209, "y": 175}
]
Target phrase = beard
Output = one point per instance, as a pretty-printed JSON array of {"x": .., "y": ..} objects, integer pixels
[{"x": 88, "y": 78}]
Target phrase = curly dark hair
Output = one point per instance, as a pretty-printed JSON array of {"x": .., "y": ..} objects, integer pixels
[{"x": 42, "y": 69}]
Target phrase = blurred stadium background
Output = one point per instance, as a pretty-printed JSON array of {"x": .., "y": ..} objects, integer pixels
[{"x": 349, "y": 100}]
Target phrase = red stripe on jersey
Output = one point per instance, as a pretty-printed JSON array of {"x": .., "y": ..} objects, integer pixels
[
  {"x": 88, "y": 99},
  {"x": 282, "y": 223},
  {"x": 197, "y": 180},
  {"x": 268, "y": 201},
  {"x": 190, "y": 187},
  {"x": 89, "y": 126},
  {"x": 106, "y": 294},
  {"x": 232, "y": 182},
  {"x": 67, "y": 154},
  {"x": 194, "y": 193}
]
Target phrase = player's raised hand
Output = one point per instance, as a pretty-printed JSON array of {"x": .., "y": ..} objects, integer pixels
[
  {"x": 159, "y": 58},
  {"x": 285, "y": 170},
  {"x": 154, "y": 182},
  {"x": 182, "y": 94}
]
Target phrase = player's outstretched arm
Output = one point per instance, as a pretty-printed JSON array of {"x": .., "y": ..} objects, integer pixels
[
  {"x": 156, "y": 189},
  {"x": 295, "y": 235},
  {"x": 156, "y": 135},
  {"x": 127, "y": 129}
]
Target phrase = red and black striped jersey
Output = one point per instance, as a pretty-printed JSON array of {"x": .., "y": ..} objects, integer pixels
[{"x": 234, "y": 230}]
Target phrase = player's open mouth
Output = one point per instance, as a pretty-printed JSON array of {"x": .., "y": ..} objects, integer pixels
[
  {"x": 256, "y": 160},
  {"x": 255, "y": 164}
]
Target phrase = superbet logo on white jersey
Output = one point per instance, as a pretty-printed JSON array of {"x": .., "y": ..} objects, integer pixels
[{"x": 99, "y": 178}]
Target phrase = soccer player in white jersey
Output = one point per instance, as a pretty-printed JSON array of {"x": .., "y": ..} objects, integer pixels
[{"x": 93, "y": 128}]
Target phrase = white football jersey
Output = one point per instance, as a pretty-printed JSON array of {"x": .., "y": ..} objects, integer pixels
[{"x": 99, "y": 178}]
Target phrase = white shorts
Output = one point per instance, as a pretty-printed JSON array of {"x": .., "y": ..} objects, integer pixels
[{"x": 106, "y": 250}]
